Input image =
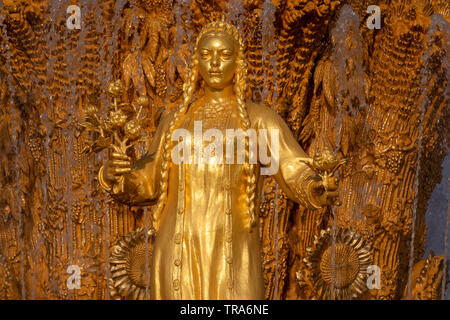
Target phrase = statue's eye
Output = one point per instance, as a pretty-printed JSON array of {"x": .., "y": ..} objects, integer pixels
[
  {"x": 204, "y": 54},
  {"x": 227, "y": 54}
]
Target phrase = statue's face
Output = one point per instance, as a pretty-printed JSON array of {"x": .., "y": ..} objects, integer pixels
[{"x": 216, "y": 60}]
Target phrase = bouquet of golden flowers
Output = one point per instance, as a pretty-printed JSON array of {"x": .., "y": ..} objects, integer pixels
[{"x": 121, "y": 129}]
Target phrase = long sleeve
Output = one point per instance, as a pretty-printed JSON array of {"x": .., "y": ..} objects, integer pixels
[
  {"x": 141, "y": 185},
  {"x": 293, "y": 175}
]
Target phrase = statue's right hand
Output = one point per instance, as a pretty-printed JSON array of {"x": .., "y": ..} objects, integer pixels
[{"x": 118, "y": 165}]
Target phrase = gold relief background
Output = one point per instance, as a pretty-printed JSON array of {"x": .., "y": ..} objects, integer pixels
[{"x": 378, "y": 97}]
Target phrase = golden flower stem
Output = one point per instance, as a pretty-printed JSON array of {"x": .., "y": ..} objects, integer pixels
[
  {"x": 138, "y": 113},
  {"x": 130, "y": 145},
  {"x": 115, "y": 148}
]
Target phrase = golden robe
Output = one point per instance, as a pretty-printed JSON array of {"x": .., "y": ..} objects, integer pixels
[{"x": 201, "y": 249}]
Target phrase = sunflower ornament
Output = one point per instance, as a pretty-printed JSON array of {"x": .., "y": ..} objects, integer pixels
[
  {"x": 130, "y": 264},
  {"x": 336, "y": 265}
]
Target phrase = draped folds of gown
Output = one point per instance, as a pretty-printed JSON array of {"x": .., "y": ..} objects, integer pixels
[{"x": 202, "y": 249}]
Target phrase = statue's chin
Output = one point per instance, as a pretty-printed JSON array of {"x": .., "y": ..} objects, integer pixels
[{"x": 216, "y": 84}]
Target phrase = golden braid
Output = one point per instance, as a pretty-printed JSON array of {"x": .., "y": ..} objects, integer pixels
[
  {"x": 239, "y": 88},
  {"x": 188, "y": 90}
]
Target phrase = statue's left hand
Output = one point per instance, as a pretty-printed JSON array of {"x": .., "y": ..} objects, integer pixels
[{"x": 325, "y": 192}]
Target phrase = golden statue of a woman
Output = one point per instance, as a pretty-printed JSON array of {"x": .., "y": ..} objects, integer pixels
[{"x": 205, "y": 213}]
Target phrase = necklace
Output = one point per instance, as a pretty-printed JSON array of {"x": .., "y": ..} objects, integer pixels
[{"x": 214, "y": 115}]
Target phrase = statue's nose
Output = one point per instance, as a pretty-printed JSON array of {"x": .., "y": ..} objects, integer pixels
[{"x": 215, "y": 60}]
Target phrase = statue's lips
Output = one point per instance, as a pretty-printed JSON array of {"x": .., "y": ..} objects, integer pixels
[{"x": 215, "y": 73}]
